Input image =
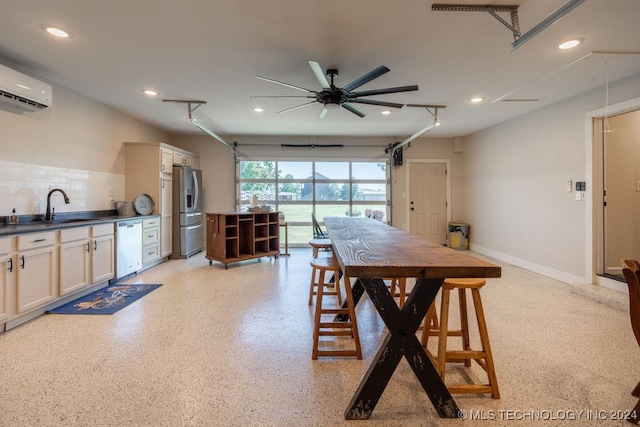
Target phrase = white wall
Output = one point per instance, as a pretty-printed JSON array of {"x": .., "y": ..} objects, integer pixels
[
  {"x": 75, "y": 145},
  {"x": 515, "y": 195}
]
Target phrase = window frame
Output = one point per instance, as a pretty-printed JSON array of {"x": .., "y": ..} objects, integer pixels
[{"x": 351, "y": 205}]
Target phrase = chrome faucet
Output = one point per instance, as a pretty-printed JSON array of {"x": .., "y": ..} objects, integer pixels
[{"x": 48, "y": 216}]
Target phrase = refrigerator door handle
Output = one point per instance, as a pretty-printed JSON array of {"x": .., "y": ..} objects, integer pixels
[
  {"x": 197, "y": 191},
  {"x": 192, "y": 227}
]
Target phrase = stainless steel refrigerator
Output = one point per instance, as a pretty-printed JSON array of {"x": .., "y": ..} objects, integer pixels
[{"x": 188, "y": 218}]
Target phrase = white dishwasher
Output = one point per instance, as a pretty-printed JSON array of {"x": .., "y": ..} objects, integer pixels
[{"x": 129, "y": 247}]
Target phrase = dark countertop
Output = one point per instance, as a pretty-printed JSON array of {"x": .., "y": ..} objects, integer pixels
[{"x": 35, "y": 223}]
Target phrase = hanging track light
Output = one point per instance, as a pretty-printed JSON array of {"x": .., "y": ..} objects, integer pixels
[{"x": 190, "y": 110}]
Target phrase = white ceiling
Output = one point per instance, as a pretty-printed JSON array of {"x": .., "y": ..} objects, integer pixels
[{"x": 212, "y": 50}]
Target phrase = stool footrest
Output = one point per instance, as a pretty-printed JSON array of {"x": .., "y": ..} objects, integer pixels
[
  {"x": 335, "y": 325},
  {"x": 464, "y": 355},
  {"x": 338, "y": 353},
  {"x": 469, "y": 388},
  {"x": 334, "y": 311},
  {"x": 341, "y": 332}
]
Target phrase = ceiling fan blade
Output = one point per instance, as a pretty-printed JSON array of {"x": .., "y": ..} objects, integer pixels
[
  {"x": 374, "y": 102},
  {"x": 285, "y": 84},
  {"x": 323, "y": 112},
  {"x": 383, "y": 91},
  {"x": 296, "y": 107},
  {"x": 366, "y": 78},
  {"x": 283, "y": 97},
  {"x": 353, "y": 109},
  {"x": 322, "y": 78}
]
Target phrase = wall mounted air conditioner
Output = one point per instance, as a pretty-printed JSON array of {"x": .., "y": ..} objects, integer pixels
[{"x": 21, "y": 91}]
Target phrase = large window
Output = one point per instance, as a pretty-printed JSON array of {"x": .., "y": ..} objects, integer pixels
[{"x": 298, "y": 189}]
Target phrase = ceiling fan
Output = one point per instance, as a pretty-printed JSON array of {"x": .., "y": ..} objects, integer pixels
[{"x": 344, "y": 97}]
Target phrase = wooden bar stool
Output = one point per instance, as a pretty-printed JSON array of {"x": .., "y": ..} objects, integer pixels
[
  {"x": 398, "y": 289},
  {"x": 318, "y": 267},
  {"x": 317, "y": 244},
  {"x": 333, "y": 327},
  {"x": 483, "y": 357}
]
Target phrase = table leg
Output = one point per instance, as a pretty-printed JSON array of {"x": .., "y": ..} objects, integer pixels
[
  {"x": 401, "y": 341},
  {"x": 286, "y": 238}
]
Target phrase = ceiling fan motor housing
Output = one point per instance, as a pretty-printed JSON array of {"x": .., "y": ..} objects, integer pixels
[{"x": 334, "y": 96}]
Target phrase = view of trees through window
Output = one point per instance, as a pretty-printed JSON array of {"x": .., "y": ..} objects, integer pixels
[{"x": 298, "y": 189}]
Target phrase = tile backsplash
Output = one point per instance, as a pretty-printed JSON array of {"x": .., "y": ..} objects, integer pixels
[{"x": 25, "y": 186}]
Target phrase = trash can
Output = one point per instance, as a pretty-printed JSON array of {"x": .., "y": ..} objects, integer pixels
[{"x": 459, "y": 236}]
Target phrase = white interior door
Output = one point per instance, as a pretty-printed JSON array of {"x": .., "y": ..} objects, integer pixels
[{"x": 428, "y": 201}]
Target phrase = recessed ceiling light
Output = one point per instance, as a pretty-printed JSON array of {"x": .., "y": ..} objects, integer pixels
[
  {"x": 569, "y": 44},
  {"x": 477, "y": 99},
  {"x": 56, "y": 31},
  {"x": 438, "y": 123},
  {"x": 150, "y": 92},
  {"x": 258, "y": 109},
  {"x": 386, "y": 112}
]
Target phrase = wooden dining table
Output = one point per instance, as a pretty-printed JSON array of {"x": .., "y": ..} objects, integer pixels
[{"x": 371, "y": 251}]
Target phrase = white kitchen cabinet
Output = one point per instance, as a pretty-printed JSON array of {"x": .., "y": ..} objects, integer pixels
[
  {"x": 166, "y": 160},
  {"x": 166, "y": 216},
  {"x": 36, "y": 282},
  {"x": 7, "y": 278},
  {"x": 74, "y": 254},
  {"x": 150, "y": 240},
  {"x": 179, "y": 158},
  {"x": 186, "y": 159},
  {"x": 102, "y": 246}
]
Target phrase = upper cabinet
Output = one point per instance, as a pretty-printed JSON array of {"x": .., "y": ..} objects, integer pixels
[
  {"x": 181, "y": 158},
  {"x": 166, "y": 160}
]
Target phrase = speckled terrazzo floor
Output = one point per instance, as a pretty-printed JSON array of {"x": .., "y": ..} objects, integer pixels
[{"x": 216, "y": 347}]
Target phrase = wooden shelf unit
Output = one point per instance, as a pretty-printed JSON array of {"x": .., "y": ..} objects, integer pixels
[{"x": 238, "y": 236}]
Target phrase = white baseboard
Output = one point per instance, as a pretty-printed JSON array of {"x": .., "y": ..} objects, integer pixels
[{"x": 561, "y": 276}]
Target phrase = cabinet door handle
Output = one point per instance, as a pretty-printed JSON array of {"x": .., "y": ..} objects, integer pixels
[
  {"x": 95, "y": 245},
  {"x": 22, "y": 262},
  {"x": 39, "y": 240},
  {"x": 88, "y": 247},
  {"x": 10, "y": 265}
]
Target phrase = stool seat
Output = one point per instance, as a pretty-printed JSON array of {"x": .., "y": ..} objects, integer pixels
[
  {"x": 465, "y": 283},
  {"x": 483, "y": 357},
  {"x": 328, "y": 263},
  {"x": 333, "y": 327},
  {"x": 317, "y": 244}
]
